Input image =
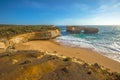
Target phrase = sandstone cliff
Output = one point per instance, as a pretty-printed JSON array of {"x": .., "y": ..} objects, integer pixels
[
  {"x": 38, "y": 35},
  {"x": 13, "y": 34},
  {"x": 32, "y": 36}
]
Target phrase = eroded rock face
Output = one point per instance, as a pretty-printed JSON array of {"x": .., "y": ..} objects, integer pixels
[
  {"x": 2, "y": 45},
  {"x": 81, "y": 29},
  {"x": 91, "y": 30},
  {"x": 45, "y": 35},
  {"x": 32, "y": 36}
]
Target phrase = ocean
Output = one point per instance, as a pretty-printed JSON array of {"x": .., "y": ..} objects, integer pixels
[{"x": 106, "y": 41}]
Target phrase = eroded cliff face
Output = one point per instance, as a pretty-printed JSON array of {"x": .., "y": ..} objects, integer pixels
[
  {"x": 45, "y": 35},
  {"x": 29, "y": 36}
]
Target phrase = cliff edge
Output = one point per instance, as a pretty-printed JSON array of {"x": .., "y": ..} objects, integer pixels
[{"x": 9, "y": 36}]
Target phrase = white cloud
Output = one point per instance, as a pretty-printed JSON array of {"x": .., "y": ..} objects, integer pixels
[
  {"x": 107, "y": 13},
  {"x": 109, "y": 8},
  {"x": 105, "y": 20},
  {"x": 90, "y": 21}
]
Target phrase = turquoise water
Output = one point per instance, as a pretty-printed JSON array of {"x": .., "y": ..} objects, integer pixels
[{"x": 106, "y": 41}]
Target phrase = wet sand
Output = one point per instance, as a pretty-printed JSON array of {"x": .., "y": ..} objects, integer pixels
[{"x": 86, "y": 55}]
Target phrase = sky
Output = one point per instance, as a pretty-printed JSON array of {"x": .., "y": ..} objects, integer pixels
[{"x": 60, "y": 12}]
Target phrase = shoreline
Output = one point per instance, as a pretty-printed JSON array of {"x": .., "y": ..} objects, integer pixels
[
  {"x": 91, "y": 49},
  {"x": 86, "y": 55}
]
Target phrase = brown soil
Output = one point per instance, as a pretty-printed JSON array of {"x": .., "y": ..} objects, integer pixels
[{"x": 35, "y": 65}]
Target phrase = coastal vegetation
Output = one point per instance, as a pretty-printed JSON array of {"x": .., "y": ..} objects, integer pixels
[
  {"x": 12, "y": 34},
  {"x": 42, "y": 65},
  {"x": 8, "y": 31}
]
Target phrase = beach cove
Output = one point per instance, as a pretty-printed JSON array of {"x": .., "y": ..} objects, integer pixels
[
  {"x": 37, "y": 53},
  {"x": 86, "y": 55}
]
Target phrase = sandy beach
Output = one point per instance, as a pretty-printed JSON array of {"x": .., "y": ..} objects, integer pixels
[{"x": 86, "y": 55}]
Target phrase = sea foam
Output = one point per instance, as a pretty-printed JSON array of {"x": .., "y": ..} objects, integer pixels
[{"x": 107, "y": 41}]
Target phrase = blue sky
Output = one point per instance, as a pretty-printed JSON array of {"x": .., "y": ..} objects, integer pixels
[{"x": 60, "y": 12}]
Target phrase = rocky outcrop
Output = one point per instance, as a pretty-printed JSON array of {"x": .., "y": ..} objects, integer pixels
[
  {"x": 81, "y": 29},
  {"x": 2, "y": 45},
  {"x": 36, "y": 65},
  {"x": 32, "y": 36},
  {"x": 90, "y": 30},
  {"x": 45, "y": 35}
]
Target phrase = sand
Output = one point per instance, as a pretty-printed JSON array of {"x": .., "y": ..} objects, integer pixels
[{"x": 86, "y": 55}]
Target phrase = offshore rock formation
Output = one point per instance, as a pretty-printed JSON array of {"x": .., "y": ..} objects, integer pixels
[{"x": 81, "y": 29}]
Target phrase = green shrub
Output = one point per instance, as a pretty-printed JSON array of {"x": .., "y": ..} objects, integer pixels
[
  {"x": 67, "y": 59},
  {"x": 9, "y": 31}
]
